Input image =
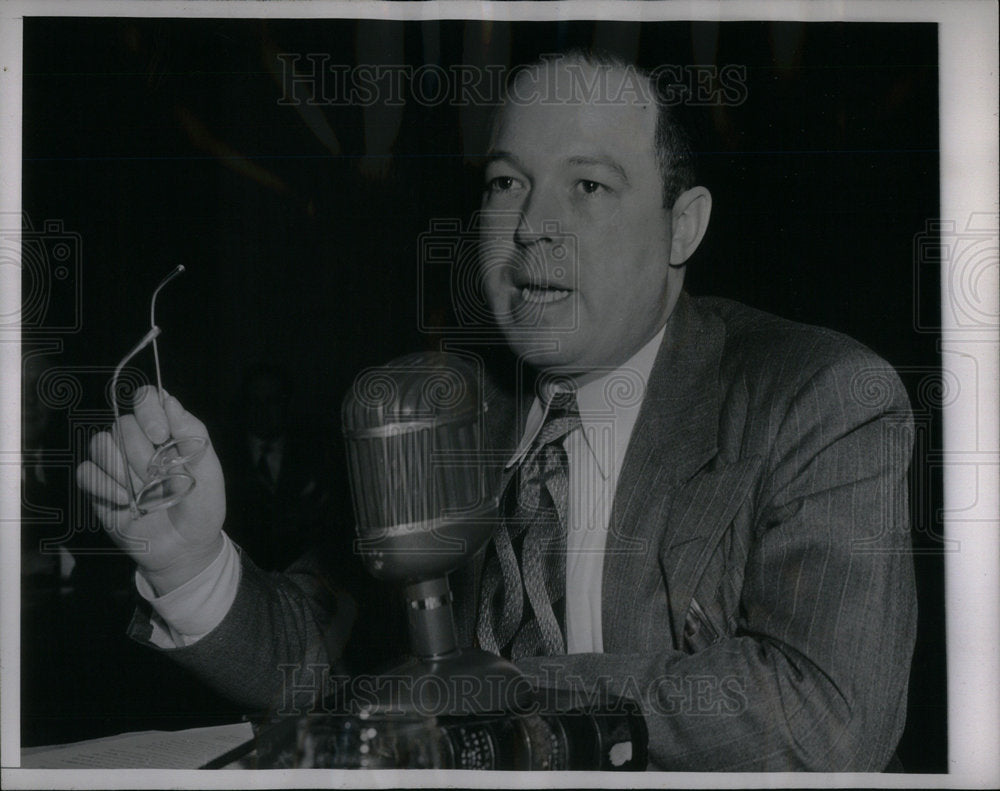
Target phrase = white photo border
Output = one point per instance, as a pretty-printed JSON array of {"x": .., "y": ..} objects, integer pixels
[{"x": 968, "y": 140}]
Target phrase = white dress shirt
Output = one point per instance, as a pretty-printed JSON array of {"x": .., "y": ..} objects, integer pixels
[
  {"x": 186, "y": 614},
  {"x": 609, "y": 406}
]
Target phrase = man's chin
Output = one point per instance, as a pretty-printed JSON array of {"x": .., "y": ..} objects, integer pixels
[{"x": 543, "y": 352}]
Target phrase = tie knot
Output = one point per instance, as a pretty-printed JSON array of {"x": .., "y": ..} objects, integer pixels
[
  {"x": 562, "y": 401},
  {"x": 562, "y": 417}
]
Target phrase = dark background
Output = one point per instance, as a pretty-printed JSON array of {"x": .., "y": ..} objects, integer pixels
[{"x": 158, "y": 142}]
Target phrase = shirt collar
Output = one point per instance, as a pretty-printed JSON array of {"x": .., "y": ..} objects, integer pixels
[{"x": 612, "y": 399}]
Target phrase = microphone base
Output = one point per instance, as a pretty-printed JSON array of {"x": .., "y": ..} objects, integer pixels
[{"x": 465, "y": 682}]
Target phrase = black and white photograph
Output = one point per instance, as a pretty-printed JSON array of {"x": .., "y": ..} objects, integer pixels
[{"x": 600, "y": 391}]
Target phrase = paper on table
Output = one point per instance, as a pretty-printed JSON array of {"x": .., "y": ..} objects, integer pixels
[{"x": 187, "y": 749}]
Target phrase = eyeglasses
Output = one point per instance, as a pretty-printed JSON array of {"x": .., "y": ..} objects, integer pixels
[{"x": 167, "y": 480}]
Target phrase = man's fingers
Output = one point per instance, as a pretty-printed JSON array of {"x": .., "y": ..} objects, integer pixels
[
  {"x": 137, "y": 445},
  {"x": 110, "y": 501},
  {"x": 97, "y": 483},
  {"x": 105, "y": 454},
  {"x": 150, "y": 416},
  {"x": 183, "y": 424}
]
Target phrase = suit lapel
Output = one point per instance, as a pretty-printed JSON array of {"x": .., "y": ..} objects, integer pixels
[{"x": 674, "y": 436}]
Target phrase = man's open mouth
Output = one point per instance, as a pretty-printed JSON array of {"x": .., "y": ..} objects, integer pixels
[{"x": 543, "y": 295}]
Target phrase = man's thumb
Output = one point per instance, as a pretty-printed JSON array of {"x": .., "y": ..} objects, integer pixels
[{"x": 182, "y": 423}]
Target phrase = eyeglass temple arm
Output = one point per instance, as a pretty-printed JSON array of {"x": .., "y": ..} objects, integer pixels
[
  {"x": 147, "y": 339},
  {"x": 177, "y": 270}
]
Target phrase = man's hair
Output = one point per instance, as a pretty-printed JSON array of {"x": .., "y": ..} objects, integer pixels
[{"x": 672, "y": 142}]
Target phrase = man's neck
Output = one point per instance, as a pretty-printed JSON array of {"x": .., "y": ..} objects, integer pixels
[{"x": 581, "y": 379}]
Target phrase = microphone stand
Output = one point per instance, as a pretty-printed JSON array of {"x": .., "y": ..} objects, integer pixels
[{"x": 439, "y": 676}]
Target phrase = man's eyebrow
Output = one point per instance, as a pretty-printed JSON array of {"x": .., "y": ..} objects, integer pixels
[
  {"x": 495, "y": 155},
  {"x": 607, "y": 162},
  {"x": 499, "y": 155}
]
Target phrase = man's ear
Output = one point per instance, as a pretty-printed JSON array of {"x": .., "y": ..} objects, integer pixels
[{"x": 689, "y": 220}]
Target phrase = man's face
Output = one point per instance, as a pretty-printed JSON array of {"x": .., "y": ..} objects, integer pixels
[{"x": 584, "y": 269}]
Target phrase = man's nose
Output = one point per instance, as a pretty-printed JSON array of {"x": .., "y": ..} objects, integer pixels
[{"x": 539, "y": 220}]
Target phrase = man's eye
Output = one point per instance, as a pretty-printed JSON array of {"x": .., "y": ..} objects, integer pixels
[
  {"x": 500, "y": 184},
  {"x": 590, "y": 187}
]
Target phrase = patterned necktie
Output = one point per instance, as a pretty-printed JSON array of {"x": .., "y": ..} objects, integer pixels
[{"x": 522, "y": 599}]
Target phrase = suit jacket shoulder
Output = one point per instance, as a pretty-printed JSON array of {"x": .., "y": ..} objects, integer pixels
[{"x": 765, "y": 352}]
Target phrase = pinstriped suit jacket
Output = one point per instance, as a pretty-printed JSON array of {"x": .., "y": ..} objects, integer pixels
[{"x": 758, "y": 594}]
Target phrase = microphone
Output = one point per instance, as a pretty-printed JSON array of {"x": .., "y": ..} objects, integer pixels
[{"x": 422, "y": 494}]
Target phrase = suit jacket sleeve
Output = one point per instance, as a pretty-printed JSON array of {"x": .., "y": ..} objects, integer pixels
[
  {"x": 279, "y": 642},
  {"x": 809, "y": 670}
]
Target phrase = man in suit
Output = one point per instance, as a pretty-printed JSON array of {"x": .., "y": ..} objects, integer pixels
[{"x": 735, "y": 519}]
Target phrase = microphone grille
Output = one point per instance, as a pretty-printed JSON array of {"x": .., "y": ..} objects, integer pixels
[
  {"x": 414, "y": 436},
  {"x": 420, "y": 387}
]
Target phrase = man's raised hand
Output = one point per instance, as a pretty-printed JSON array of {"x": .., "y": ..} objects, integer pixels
[{"x": 170, "y": 545}]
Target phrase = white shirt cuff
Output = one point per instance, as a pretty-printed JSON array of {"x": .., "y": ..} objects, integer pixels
[{"x": 186, "y": 614}]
